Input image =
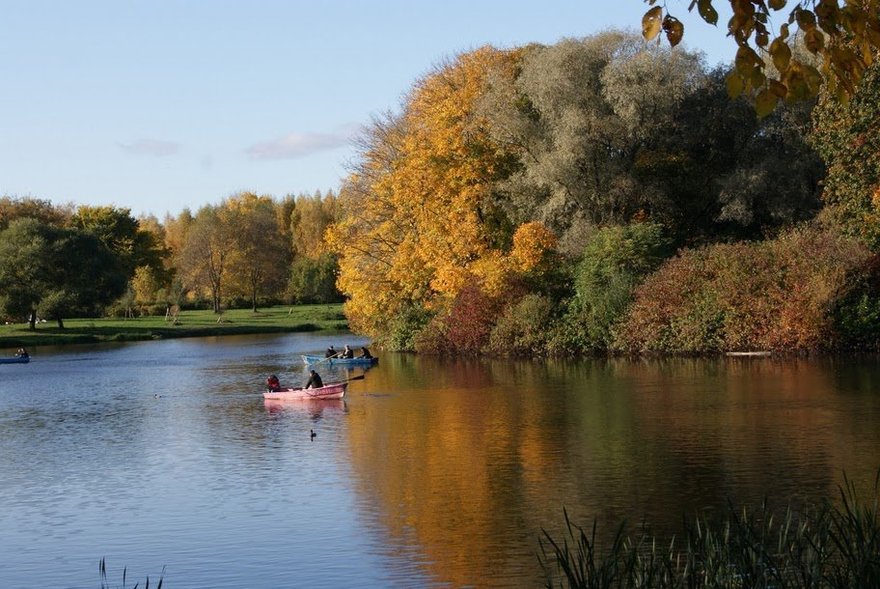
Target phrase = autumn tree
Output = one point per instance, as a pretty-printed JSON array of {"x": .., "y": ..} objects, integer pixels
[
  {"x": 12, "y": 208},
  {"x": 259, "y": 256},
  {"x": 204, "y": 258},
  {"x": 844, "y": 36},
  {"x": 144, "y": 286},
  {"x": 411, "y": 230},
  {"x": 309, "y": 219},
  {"x": 175, "y": 231},
  {"x": 607, "y": 130}
]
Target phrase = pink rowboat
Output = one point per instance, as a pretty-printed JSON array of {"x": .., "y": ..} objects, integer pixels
[{"x": 329, "y": 391}]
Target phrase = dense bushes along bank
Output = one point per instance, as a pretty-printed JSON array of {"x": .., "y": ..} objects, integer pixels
[{"x": 809, "y": 289}]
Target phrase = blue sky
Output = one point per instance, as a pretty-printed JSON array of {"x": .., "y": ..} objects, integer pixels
[{"x": 157, "y": 105}]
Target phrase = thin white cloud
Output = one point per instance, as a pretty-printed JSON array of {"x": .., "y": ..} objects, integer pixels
[
  {"x": 150, "y": 147},
  {"x": 297, "y": 145}
]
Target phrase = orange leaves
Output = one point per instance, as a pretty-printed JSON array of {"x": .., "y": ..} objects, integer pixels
[
  {"x": 410, "y": 232},
  {"x": 531, "y": 243},
  {"x": 844, "y": 36}
]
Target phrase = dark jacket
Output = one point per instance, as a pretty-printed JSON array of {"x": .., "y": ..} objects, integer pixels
[{"x": 315, "y": 381}]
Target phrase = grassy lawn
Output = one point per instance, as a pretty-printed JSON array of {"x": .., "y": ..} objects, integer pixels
[{"x": 189, "y": 324}]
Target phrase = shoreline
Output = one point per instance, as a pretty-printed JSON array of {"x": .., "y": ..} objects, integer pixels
[{"x": 280, "y": 319}]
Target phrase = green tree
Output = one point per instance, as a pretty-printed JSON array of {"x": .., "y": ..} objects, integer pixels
[
  {"x": 314, "y": 280},
  {"x": 56, "y": 272},
  {"x": 607, "y": 130},
  {"x": 122, "y": 234},
  {"x": 848, "y": 138}
]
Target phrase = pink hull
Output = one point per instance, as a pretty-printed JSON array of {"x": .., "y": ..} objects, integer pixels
[{"x": 330, "y": 391}]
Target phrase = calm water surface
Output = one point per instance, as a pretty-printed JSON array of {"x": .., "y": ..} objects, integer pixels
[{"x": 430, "y": 473}]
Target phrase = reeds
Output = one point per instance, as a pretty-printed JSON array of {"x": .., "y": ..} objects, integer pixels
[
  {"x": 831, "y": 545},
  {"x": 102, "y": 567}
]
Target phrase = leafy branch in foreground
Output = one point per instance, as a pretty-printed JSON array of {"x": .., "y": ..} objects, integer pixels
[{"x": 844, "y": 37}]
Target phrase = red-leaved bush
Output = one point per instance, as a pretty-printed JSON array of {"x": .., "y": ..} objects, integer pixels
[{"x": 465, "y": 328}]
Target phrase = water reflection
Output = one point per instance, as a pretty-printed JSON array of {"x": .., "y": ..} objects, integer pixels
[
  {"x": 315, "y": 408},
  {"x": 472, "y": 458},
  {"x": 430, "y": 472}
]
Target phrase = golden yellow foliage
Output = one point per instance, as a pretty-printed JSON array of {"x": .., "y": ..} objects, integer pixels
[
  {"x": 844, "y": 36},
  {"x": 531, "y": 242},
  {"x": 410, "y": 229}
]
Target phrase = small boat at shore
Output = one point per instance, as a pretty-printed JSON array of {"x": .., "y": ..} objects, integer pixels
[
  {"x": 328, "y": 391},
  {"x": 15, "y": 360},
  {"x": 315, "y": 359}
]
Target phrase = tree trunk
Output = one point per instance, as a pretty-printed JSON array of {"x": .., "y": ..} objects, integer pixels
[
  {"x": 60, "y": 323},
  {"x": 32, "y": 320}
]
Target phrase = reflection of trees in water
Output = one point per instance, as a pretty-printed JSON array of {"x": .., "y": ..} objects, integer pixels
[{"x": 471, "y": 459}]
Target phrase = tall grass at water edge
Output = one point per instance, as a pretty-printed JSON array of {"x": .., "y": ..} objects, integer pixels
[
  {"x": 105, "y": 584},
  {"x": 832, "y": 545}
]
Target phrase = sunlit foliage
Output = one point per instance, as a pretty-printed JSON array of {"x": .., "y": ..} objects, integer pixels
[
  {"x": 259, "y": 259},
  {"x": 773, "y": 295},
  {"x": 844, "y": 36},
  {"x": 411, "y": 230}
]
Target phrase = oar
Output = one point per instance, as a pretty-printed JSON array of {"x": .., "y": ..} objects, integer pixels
[
  {"x": 361, "y": 377},
  {"x": 328, "y": 358}
]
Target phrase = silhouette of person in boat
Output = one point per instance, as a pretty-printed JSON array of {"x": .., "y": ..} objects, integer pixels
[{"x": 314, "y": 381}]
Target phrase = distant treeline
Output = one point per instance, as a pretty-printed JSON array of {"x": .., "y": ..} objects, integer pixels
[{"x": 68, "y": 261}]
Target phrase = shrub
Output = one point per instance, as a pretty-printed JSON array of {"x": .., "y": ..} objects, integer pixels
[
  {"x": 470, "y": 321},
  {"x": 615, "y": 260},
  {"x": 523, "y": 328},
  {"x": 773, "y": 295},
  {"x": 404, "y": 328},
  {"x": 857, "y": 315}
]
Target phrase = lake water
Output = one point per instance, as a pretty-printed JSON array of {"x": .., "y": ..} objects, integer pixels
[{"x": 431, "y": 472}]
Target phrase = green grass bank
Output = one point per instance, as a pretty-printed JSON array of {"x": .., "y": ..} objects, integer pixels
[{"x": 279, "y": 319}]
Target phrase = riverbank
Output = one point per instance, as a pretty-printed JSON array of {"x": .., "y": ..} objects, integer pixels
[{"x": 279, "y": 319}]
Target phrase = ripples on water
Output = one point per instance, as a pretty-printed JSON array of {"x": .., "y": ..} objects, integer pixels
[{"x": 431, "y": 473}]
